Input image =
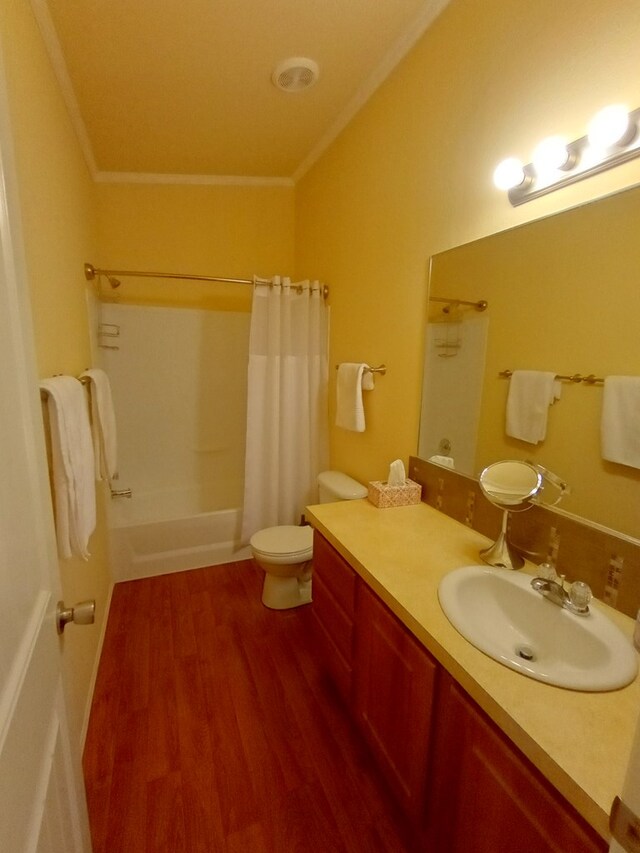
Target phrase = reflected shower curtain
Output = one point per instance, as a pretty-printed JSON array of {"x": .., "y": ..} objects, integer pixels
[{"x": 287, "y": 419}]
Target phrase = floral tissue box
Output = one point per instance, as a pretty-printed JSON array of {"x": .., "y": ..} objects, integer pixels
[{"x": 381, "y": 494}]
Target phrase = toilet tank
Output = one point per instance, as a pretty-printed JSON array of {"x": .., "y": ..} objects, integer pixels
[{"x": 336, "y": 486}]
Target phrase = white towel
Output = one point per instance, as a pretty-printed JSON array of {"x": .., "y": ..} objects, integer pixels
[
  {"x": 103, "y": 425},
  {"x": 531, "y": 392},
  {"x": 620, "y": 425},
  {"x": 353, "y": 378},
  {"x": 73, "y": 465},
  {"x": 447, "y": 461}
]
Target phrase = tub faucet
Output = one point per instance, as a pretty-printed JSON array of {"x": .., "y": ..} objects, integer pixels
[{"x": 576, "y": 600}]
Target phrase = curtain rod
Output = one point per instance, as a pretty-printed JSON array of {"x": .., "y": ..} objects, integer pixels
[{"x": 90, "y": 272}]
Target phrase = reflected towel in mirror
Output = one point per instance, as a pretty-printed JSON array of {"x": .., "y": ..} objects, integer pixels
[
  {"x": 531, "y": 392},
  {"x": 620, "y": 425}
]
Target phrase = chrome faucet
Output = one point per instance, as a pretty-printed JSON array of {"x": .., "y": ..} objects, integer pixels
[{"x": 576, "y": 600}]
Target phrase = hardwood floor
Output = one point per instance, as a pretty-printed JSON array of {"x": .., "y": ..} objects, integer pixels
[{"x": 213, "y": 728}]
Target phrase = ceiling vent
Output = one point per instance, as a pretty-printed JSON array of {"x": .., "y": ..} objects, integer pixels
[{"x": 295, "y": 74}]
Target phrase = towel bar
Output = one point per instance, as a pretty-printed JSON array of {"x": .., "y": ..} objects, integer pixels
[
  {"x": 83, "y": 379},
  {"x": 591, "y": 379},
  {"x": 381, "y": 369}
]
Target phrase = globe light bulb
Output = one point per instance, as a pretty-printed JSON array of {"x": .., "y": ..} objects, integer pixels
[
  {"x": 551, "y": 154},
  {"x": 508, "y": 174},
  {"x": 609, "y": 127}
]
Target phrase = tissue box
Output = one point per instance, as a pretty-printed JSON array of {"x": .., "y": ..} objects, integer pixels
[{"x": 381, "y": 494}]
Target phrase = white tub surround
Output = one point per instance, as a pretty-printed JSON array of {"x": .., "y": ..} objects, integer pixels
[{"x": 178, "y": 378}]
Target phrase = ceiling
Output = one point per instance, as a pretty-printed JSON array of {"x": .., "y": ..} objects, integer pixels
[{"x": 183, "y": 87}]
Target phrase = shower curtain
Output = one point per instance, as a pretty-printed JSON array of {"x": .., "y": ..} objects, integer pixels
[{"x": 287, "y": 419}]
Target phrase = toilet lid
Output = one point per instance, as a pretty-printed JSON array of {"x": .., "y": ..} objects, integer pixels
[{"x": 285, "y": 539}]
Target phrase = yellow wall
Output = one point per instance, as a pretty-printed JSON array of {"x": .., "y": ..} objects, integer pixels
[
  {"x": 56, "y": 197},
  {"x": 227, "y": 231},
  {"x": 411, "y": 176}
]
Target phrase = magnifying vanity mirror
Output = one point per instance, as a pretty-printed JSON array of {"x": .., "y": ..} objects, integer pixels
[
  {"x": 514, "y": 486},
  {"x": 510, "y": 485}
]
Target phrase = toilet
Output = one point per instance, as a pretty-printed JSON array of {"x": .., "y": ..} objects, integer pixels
[{"x": 285, "y": 551}]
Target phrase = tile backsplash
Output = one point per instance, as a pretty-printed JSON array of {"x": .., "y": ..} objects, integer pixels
[{"x": 607, "y": 561}]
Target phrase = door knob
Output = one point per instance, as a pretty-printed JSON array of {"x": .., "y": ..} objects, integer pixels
[{"x": 83, "y": 613}]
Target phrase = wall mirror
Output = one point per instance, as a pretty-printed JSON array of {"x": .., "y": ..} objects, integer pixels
[{"x": 563, "y": 295}]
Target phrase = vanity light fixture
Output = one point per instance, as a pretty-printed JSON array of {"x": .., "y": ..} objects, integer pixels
[
  {"x": 509, "y": 174},
  {"x": 552, "y": 154},
  {"x": 613, "y": 137}
]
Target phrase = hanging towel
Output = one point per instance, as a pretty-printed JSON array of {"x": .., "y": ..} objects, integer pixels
[
  {"x": 103, "y": 425},
  {"x": 620, "y": 425},
  {"x": 353, "y": 378},
  {"x": 73, "y": 465},
  {"x": 531, "y": 392}
]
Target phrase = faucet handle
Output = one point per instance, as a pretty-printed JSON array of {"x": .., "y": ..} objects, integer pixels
[
  {"x": 580, "y": 595},
  {"x": 547, "y": 571}
]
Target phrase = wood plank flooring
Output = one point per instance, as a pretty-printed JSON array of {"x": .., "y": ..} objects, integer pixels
[{"x": 213, "y": 728}]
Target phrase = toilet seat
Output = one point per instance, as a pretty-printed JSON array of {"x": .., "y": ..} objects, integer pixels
[{"x": 285, "y": 543}]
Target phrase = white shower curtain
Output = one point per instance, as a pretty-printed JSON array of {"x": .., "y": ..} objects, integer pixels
[{"x": 287, "y": 420}]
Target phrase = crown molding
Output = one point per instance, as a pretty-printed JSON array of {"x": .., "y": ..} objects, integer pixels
[
  {"x": 193, "y": 180},
  {"x": 400, "y": 49},
  {"x": 56, "y": 57}
]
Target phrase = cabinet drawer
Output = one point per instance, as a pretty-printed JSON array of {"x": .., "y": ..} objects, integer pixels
[
  {"x": 336, "y": 573},
  {"x": 337, "y": 625}
]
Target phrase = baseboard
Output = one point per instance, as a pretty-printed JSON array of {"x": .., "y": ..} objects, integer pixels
[{"x": 94, "y": 673}]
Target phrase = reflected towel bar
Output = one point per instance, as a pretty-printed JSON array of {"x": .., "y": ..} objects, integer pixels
[
  {"x": 480, "y": 305},
  {"x": 591, "y": 379}
]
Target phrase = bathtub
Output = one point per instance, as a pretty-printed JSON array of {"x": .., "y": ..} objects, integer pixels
[{"x": 156, "y": 533}]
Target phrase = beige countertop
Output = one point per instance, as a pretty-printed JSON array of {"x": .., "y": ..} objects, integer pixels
[{"x": 580, "y": 741}]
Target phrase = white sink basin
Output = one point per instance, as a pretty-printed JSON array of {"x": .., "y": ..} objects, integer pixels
[{"x": 500, "y": 614}]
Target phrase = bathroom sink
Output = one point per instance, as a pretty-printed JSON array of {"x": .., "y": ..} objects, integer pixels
[{"x": 500, "y": 614}]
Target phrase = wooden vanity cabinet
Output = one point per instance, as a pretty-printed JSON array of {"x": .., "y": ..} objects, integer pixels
[
  {"x": 486, "y": 796},
  {"x": 393, "y": 690},
  {"x": 463, "y": 785},
  {"x": 334, "y": 592}
]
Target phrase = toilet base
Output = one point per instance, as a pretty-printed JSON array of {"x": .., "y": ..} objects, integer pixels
[{"x": 285, "y": 593}]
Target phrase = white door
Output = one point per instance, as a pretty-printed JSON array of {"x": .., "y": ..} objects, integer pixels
[
  {"x": 42, "y": 806},
  {"x": 630, "y": 796}
]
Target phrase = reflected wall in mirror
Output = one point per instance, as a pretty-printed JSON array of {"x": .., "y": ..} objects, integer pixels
[{"x": 564, "y": 296}]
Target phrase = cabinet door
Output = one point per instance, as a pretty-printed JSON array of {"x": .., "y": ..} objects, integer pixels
[
  {"x": 334, "y": 584},
  {"x": 393, "y": 691},
  {"x": 485, "y": 796}
]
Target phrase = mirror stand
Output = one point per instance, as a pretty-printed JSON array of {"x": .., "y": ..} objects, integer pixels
[
  {"x": 502, "y": 554},
  {"x": 511, "y": 486},
  {"x": 514, "y": 486}
]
